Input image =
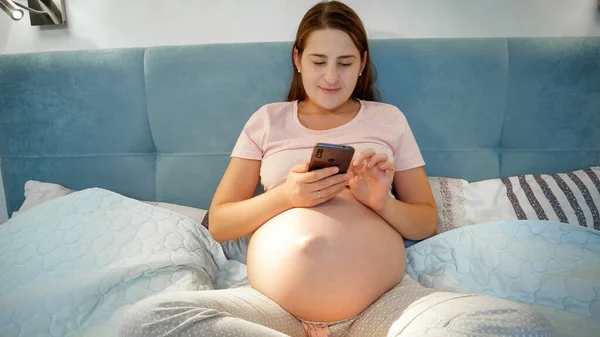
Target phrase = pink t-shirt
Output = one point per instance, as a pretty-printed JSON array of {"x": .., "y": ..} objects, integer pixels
[{"x": 275, "y": 135}]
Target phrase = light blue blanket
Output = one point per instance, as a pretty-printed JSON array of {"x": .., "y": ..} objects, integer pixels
[
  {"x": 554, "y": 267},
  {"x": 74, "y": 265}
]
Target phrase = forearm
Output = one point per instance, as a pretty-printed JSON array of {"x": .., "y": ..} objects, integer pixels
[
  {"x": 233, "y": 220},
  {"x": 412, "y": 221}
]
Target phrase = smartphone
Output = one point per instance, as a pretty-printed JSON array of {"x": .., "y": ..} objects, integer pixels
[{"x": 327, "y": 155}]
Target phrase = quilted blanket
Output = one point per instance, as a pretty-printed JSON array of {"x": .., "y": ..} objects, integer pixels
[
  {"x": 552, "y": 266},
  {"x": 72, "y": 266}
]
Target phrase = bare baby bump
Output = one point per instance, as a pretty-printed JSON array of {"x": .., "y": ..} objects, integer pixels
[{"x": 326, "y": 263}]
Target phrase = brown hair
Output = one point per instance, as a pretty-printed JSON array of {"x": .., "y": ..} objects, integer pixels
[{"x": 334, "y": 15}]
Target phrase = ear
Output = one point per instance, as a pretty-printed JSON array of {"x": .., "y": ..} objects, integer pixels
[
  {"x": 297, "y": 58},
  {"x": 364, "y": 62}
]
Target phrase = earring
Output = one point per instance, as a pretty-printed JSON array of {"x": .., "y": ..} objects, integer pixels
[{"x": 359, "y": 74}]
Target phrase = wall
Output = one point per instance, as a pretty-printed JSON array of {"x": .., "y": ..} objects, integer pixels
[
  {"x": 132, "y": 23},
  {"x": 138, "y": 23}
]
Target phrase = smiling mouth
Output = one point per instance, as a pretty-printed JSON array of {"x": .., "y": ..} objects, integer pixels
[{"x": 330, "y": 91}]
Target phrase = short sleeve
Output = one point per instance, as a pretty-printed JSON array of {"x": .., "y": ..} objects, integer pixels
[
  {"x": 250, "y": 140},
  {"x": 407, "y": 153}
]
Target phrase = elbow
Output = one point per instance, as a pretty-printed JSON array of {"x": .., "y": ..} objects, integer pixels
[
  {"x": 214, "y": 234},
  {"x": 432, "y": 231},
  {"x": 219, "y": 235},
  {"x": 220, "y": 226},
  {"x": 213, "y": 226},
  {"x": 432, "y": 224},
  {"x": 428, "y": 224}
]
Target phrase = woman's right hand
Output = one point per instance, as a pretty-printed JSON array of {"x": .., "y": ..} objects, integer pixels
[{"x": 307, "y": 189}]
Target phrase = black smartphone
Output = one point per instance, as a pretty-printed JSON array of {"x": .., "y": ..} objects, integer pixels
[{"x": 327, "y": 155}]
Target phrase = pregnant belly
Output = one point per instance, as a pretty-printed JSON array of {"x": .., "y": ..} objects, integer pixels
[{"x": 326, "y": 263}]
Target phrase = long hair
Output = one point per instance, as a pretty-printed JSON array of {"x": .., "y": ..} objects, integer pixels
[{"x": 335, "y": 15}]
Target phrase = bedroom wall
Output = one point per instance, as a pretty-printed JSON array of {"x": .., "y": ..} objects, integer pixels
[
  {"x": 131, "y": 23},
  {"x": 138, "y": 23}
]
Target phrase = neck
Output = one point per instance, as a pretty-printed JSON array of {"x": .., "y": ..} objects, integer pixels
[{"x": 310, "y": 107}]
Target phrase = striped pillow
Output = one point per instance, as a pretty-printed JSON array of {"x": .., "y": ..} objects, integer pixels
[{"x": 572, "y": 197}]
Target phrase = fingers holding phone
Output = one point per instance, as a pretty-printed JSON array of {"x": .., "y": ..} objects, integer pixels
[
  {"x": 306, "y": 188},
  {"x": 329, "y": 155}
]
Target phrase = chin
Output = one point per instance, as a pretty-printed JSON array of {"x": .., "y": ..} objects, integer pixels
[{"x": 330, "y": 102}]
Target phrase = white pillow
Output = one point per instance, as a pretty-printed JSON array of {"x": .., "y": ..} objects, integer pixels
[
  {"x": 449, "y": 194},
  {"x": 37, "y": 192},
  {"x": 572, "y": 197},
  {"x": 191, "y": 212}
]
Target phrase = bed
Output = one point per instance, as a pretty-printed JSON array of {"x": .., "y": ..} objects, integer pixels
[{"x": 109, "y": 160}]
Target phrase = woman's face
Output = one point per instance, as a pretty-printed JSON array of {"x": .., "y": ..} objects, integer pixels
[{"x": 329, "y": 66}]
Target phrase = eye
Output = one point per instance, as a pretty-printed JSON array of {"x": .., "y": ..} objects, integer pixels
[
  {"x": 319, "y": 63},
  {"x": 345, "y": 64}
]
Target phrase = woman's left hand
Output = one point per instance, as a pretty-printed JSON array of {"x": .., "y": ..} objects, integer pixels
[{"x": 371, "y": 179}]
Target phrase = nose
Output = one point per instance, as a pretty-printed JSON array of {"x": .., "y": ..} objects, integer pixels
[{"x": 331, "y": 74}]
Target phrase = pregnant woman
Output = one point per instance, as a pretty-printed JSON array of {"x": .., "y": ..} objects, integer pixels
[{"x": 326, "y": 256}]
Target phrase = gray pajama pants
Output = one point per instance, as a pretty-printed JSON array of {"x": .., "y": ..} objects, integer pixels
[{"x": 408, "y": 309}]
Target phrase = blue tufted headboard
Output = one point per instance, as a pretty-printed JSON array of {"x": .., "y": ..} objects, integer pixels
[{"x": 158, "y": 123}]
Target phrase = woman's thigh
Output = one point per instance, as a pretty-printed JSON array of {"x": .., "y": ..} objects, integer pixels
[
  {"x": 241, "y": 311},
  {"x": 377, "y": 319},
  {"x": 410, "y": 309}
]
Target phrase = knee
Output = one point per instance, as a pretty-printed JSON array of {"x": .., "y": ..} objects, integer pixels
[
  {"x": 505, "y": 318},
  {"x": 496, "y": 316},
  {"x": 138, "y": 319},
  {"x": 449, "y": 313}
]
